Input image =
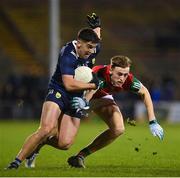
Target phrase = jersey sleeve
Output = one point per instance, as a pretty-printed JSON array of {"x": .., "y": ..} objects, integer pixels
[
  {"x": 67, "y": 65},
  {"x": 135, "y": 85}
]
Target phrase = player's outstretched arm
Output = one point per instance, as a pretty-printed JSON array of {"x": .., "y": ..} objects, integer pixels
[
  {"x": 94, "y": 22},
  {"x": 155, "y": 128}
]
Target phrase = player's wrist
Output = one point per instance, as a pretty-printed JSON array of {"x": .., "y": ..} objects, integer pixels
[
  {"x": 92, "y": 86},
  {"x": 86, "y": 101},
  {"x": 153, "y": 121}
]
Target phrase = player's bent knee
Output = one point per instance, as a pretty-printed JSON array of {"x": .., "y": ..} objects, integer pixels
[
  {"x": 44, "y": 132},
  {"x": 118, "y": 131},
  {"x": 65, "y": 145}
]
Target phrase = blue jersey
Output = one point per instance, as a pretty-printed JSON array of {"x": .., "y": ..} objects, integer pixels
[{"x": 68, "y": 61}]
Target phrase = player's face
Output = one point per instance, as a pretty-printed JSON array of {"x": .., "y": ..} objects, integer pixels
[
  {"x": 85, "y": 49},
  {"x": 119, "y": 76}
]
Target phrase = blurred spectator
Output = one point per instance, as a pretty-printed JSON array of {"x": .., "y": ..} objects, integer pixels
[
  {"x": 168, "y": 88},
  {"x": 168, "y": 37},
  {"x": 155, "y": 91},
  {"x": 22, "y": 96}
]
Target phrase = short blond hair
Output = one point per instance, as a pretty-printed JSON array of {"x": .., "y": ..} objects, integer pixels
[{"x": 120, "y": 61}]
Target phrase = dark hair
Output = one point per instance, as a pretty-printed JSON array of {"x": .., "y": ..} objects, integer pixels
[
  {"x": 88, "y": 34},
  {"x": 120, "y": 61}
]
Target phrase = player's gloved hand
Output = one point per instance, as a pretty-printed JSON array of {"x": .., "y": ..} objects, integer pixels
[
  {"x": 79, "y": 103},
  {"x": 99, "y": 83},
  {"x": 93, "y": 21},
  {"x": 156, "y": 129}
]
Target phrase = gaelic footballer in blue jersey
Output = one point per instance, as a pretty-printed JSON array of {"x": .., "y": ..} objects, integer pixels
[
  {"x": 80, "y": 52},
  {"x": 61, "y": 89}
]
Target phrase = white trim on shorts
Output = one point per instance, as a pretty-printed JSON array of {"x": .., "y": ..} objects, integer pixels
[{"x": 101, "y": 102}]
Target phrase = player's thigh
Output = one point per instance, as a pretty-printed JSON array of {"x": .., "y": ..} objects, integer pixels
[
  {"x": 68, "y": 128},
  {"x": 50, "y": 114},
  {"x": 112, "y": 116}
]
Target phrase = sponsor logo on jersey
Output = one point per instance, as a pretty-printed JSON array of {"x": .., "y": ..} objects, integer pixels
[{"x": 58, "y": 95}]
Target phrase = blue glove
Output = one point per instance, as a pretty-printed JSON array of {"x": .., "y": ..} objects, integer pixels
[
  {"x": 156, "y": 129},
  {"x": 79, "y": 103}
]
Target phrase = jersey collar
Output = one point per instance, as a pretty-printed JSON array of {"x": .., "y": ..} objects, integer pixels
[{"x": 75, "y": 47}]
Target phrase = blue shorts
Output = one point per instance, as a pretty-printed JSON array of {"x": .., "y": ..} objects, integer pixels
[{"x": 63, "y": 101}]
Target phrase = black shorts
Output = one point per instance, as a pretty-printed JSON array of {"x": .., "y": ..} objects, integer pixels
[
  {"x": 62, "y": 101},
  {"x": 59, "y": 98}
]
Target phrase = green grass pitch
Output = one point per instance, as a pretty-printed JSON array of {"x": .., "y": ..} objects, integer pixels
[{"x": 136, "y": 153}]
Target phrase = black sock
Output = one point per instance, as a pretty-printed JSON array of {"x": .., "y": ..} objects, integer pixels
[{"x": 84, "y": 152}]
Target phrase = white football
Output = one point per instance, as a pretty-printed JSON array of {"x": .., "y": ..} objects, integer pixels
[{"x": 83, "y": 74}]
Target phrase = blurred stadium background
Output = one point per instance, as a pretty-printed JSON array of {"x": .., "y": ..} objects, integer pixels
[{"x": 146, "y": 31}]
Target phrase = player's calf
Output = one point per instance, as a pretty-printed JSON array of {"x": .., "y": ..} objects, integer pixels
[{"x": 30, "y": 160}]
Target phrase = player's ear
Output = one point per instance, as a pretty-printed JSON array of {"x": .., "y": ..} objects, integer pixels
[{"x": 78, "y": 44}]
